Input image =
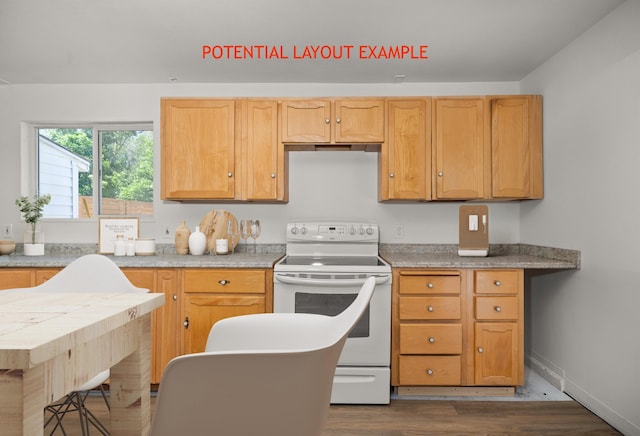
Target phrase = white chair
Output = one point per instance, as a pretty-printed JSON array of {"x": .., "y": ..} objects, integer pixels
[
  {"x": 264, "y": 374},
  {"x": 89, "y": 273}
]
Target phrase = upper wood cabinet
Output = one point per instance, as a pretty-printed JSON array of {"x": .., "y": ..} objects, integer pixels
[
  {"x": 460, "y": 154},
  {"x": 516, "y": 147},
  {"x": 405, "y": 158},
  {"x": 325, "y": 121},
  {"x": 263, "y": 157},
  {"x": 431, "y": 148},
  {"x": 198, "y": 149}
]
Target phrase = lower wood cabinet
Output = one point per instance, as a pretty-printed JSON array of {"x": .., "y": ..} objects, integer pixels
[
  {"x": 194, "y": 300},
  {"x": 457, "y": 327},
  {"x": 16, "y": 278},
  {"x": 165, "y": 334},
  {"x": 210, "y": 295}
]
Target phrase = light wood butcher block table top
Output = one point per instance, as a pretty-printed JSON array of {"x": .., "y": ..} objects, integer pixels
[{"x": 51, "y": 343}]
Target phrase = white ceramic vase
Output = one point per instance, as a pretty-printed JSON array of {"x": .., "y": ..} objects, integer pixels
[
  {"x": 33, "y": 241},
  {"x": 33, "y": 249},
  {"x": 197, "y": 242}
]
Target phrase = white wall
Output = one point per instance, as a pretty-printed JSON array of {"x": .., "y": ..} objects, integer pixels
[
  {"x": 322, "y": 184},
  {"x": 584, "y": 325}
]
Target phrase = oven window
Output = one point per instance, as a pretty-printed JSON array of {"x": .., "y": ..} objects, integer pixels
[{"x": 331, "y": 305}]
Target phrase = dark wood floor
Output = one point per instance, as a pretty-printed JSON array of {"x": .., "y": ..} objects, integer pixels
[{"x": 414, "y": 417}]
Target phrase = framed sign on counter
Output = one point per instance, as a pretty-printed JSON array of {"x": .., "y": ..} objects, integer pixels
[{"x": 110, "y": 227}]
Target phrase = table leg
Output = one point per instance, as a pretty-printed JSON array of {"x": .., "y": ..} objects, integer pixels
[
  {"x": 22, "y": 402},
  {"x": 130, "y": 385}
]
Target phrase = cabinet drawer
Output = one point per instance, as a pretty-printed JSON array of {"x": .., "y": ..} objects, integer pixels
[
  {"x": 429, "y": 284},
  {"x": 497, "y": 282},
  {"x": 227, "y": 281},
  {"x": 430, "y": 338},
  {"x": 429, "y": 308},
  {"x": 430, "y": 370},
  {"x": 497, "y": 308}
]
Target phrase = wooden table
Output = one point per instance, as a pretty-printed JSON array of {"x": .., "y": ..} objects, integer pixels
[{"x": 51, "y": 343}]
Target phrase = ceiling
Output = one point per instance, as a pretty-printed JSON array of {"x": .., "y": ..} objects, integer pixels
[{"x": 160, "y": 41}]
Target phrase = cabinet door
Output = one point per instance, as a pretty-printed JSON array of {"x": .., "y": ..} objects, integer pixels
[
  {"x": 359, "y": 121},
  {"x": 263, "y": 155},
  {"x": 405, "y": 160},
  {"x": 305, "y": 121},
  {"x": 42, "y": 275},
  {"x": 459, "y": 148},
  {"x": 497, "y": 359},
  {"x": 198, "y": 149},
  {"x": 203, "y": 310},
  {"x": 165, "y": 321},
  {"x": 516, "y": 147},
  {"x": 15, "y": 278}
]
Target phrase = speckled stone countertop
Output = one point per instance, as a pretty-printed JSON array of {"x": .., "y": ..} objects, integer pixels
[
  {"x": 60, "y": 255},
  {"x": 524, "y": 256},
  {"x": 500, "y": 256}
]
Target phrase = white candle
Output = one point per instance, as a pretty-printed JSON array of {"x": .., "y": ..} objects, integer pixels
[{"x": 222, "y": 246}]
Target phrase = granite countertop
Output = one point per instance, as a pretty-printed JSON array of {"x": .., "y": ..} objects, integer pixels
[
  {"x": 524, "y": 256},
  {"x": 60, "y": 255}
]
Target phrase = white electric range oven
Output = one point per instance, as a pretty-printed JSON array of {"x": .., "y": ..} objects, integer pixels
[{"x": 325, "y": 265}]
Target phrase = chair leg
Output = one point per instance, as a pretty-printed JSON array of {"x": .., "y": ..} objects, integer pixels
[{"x": 75, "y": 401}]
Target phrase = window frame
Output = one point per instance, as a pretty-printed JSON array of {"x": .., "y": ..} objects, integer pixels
[{"x": 30, "y": 161}]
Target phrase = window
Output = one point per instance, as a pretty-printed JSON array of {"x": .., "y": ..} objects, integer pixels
[{"x": 95, "y": 170}]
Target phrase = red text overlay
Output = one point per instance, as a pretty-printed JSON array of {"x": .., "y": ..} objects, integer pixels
[{"x": 328, "y": 52}]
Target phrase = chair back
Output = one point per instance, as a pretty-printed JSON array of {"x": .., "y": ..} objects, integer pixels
[
  {"x": 90, "y": 273},
  {"x": 264, "y": 374}
]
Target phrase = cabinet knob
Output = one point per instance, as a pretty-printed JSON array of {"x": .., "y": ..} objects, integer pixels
[
  {"x": 480, "y": 350},
  {"x": 224, "y": 282},
  {"x": 327, "y": 120},
  {"x": 431, "y": 340},
  {"x": 429, "y": 371},
  {"x": 230, "y": 174},
  {"x": 439, "y": 173},
  {"x": 392, "y": 175},
  {"x": 273, "y": 175},
  {"x": 430, "y": 308},
  {"x": 338, "y": 120},
  {"x": 497, "y": 308},
  {"x": 430, "y": 285},
  {"x": 497, "y": 283},
  {"x": 175, "y": 297},
  {"x": 185, "y": 323}
]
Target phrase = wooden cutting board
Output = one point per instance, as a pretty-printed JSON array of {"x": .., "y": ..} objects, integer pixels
[{"x": 214, "y": 226}]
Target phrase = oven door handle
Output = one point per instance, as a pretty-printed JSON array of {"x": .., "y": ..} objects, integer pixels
[{"x": 282, "y": 278}]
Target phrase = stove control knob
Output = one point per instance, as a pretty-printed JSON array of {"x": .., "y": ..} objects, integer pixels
[
  {"x": 369, "y": 231},
  {"x": 361, "y": 230},
  {"x": 352, "y": 230},
  {"x": 303, "y": 230},
  {"x": 294, "y": 230}
]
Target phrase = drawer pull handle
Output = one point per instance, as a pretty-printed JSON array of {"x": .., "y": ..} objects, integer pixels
[
  {"x": 175, "y": 297},
  {"x": 429, "y": 371},
  {"x": 430, "y": 308},
  {"x": 224, "y": 282},
  {"x": 497, "y": 283},
  {"x": 327, "y": 120},
  {"x": 497, "y": 308},
  {"x": 480, "y": 350},
  {"x": 431, "y": 340},
  {"x": 430, "y": 285}
]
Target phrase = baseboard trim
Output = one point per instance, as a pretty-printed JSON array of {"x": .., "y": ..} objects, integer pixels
[
  {"x": 547, "y": 370},
  {"x": 457, "y": 391}
]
